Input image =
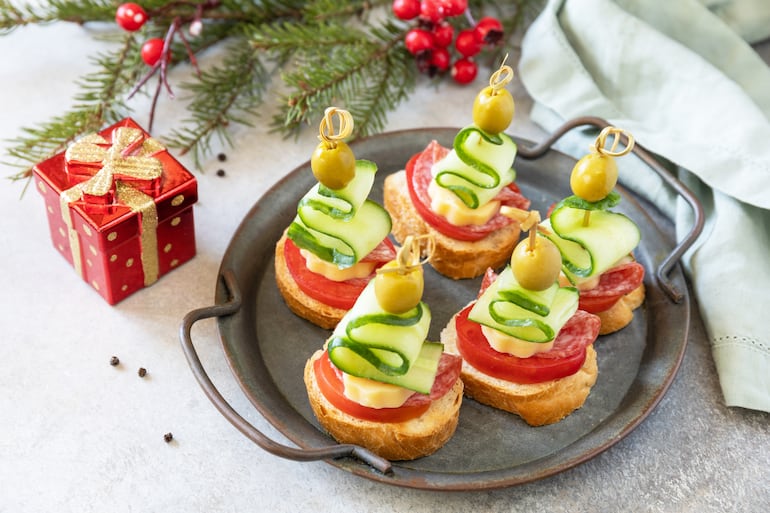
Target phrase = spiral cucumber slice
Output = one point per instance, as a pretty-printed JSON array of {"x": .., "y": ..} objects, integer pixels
[
  {"x": 372, "y": 343},
  {"x": 590, "y": 250},
  {"x": 496, "y": 309},
  {"x": 478, "y": 167},
  {"x": 341, "y": 226}
]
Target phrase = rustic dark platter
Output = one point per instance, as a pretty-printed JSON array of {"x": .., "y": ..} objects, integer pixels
[{"x": 266, "y": 346}]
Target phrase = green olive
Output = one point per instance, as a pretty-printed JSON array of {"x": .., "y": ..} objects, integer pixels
[
  {"x": 333, "y": 166},
  {"x": 398, "y": 290},
  {"x": 536, "y": 268},
  {"x": 594, "y": 176},
  {"x": 493, "y": 110}
]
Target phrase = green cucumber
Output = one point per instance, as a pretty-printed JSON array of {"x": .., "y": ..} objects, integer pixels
[
  {"x": 343, "y": 203},
  {"x": 536, "y": 301},
  {"x": 341, "y": 226},
  {"x": 370, "y": 340},
  {"x": 494, "y": 310},
  {"x": 478, "y": 166},
  {"x": 419, "y": 377},
  {"x": 590, "y": 250}
]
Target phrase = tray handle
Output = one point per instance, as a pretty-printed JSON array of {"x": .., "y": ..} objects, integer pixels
[
  {"x": 664, "y": 268},
  {"x": 231, "y": 306}
]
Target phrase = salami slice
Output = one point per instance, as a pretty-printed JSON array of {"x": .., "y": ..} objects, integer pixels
[
  {"x": 489, "y": 278},
  {"x": 618, "y": 281},
  {"x": 383, "y": 253},
  {"x": 418, "y": 173},
  {"x": 613, "y": 284},
  {"x": 449, "y": 367}
]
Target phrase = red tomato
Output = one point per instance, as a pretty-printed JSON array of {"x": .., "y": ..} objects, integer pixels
[
  {"x": 339, "y": 294},
  {"x": 598, "y": 303},
  {"x": 613, "y": 284},
  {"x": 418, "y": 178},
  {"x": 565, "y": 359},
  {"x": 330, "y": 383}
]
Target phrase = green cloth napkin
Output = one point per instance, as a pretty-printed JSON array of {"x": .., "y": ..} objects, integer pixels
[{"x": 681, "y": 77}]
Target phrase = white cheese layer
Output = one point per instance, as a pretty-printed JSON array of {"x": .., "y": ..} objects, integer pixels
[
  {"x": 374, "y": 394},
  {"x": 334, "y": 273},
  {"x": 503, "y": 343},
  {"x": 445, "y": 203}
]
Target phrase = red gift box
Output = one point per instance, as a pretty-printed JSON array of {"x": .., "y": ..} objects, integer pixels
[{"x": 119, "y": 209}]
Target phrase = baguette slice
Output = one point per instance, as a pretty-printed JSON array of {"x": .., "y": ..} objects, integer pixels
[
  {"x": 320, "y": 314},
  {"x": 453, "y": 258},
  {"x": 621, "y": 313},
  {"x": 406, "y": 440},
  {"x": 538, "y": 404}
]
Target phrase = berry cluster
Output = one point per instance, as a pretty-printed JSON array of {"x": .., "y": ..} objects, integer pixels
[
  {"x": 431, "y": 38},
  {"x": 156, "y": 52},
  {"x": 132, "y": 17}
]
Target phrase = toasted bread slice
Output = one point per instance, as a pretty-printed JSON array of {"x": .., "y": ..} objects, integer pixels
[
  {"x": 453, "y": 258},
  {"x": 538, "y": 404},
  {"x": 320, "y": 314},
  {"x": 406, "y": 440}
]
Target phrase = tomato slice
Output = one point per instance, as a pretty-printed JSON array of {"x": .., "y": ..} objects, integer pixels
[
  {"x": 330, "y": 383},
  {"x": 613, "y": 284},
  {"x": 339, "y": 294},
  {"x": 565, "y": 359},
  {"x": 418, "y": 178}
]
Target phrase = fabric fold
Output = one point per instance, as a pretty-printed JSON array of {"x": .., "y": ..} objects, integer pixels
[{"x": 689, "y": 88}]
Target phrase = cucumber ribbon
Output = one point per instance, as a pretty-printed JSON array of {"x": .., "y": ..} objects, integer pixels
[
  {"x": 375, "y": 338},
  {"x": 341, "y": 226},
  {"x": 534, "y": 316},
  {"x": 590, "y": 250},
  {"x": 470, "y": 171},
  {"x": 391, "y": 348}
]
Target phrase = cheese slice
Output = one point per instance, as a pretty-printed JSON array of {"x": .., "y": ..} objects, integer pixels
[
  {"x": 332, "y": 272},
  {"x": 445, "y": 203},
  {"x": 503, "y": 343},
  {"x": 374, "y": 394}
]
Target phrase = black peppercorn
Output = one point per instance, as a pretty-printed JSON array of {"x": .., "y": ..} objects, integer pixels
[
  {"x": 142, "y": 372},
  {"x": 114, "y": 361},
  {"x": 221, "y": 157},
  {"x": 220, "y": 172},
  {"x": 168, "y": 437}
]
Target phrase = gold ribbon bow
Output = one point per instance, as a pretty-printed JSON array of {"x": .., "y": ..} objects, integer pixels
[{"x": 130, "y": 156}]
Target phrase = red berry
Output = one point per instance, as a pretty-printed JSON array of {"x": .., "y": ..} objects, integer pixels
[
  {"x": 152, "y": 49},
  {"x": 130, "y": 16},
  {"x": 432, "y": 10},
  {"x": 455, "y": 7},
  {"x": 489, "y": 30},
  {"x": 464, "y": 71},
  {"x": 418, "y": 40},
  {"x": 440, "y": 59},
  {"x": 443, "y": 34},
  {"x": 467, "y": 43},
  {"x": 406, "y": 9}
]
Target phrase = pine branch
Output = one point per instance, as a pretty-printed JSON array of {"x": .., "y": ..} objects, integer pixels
[
  {"x": 344, "y": 72},
  {"x": 326, "y": 10},
  {"x": 74, "y": 11},
  {"x": 328, "y": 52},
  {"x": 230, "y": 93},
  {"x": 98, "y": 104}
]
